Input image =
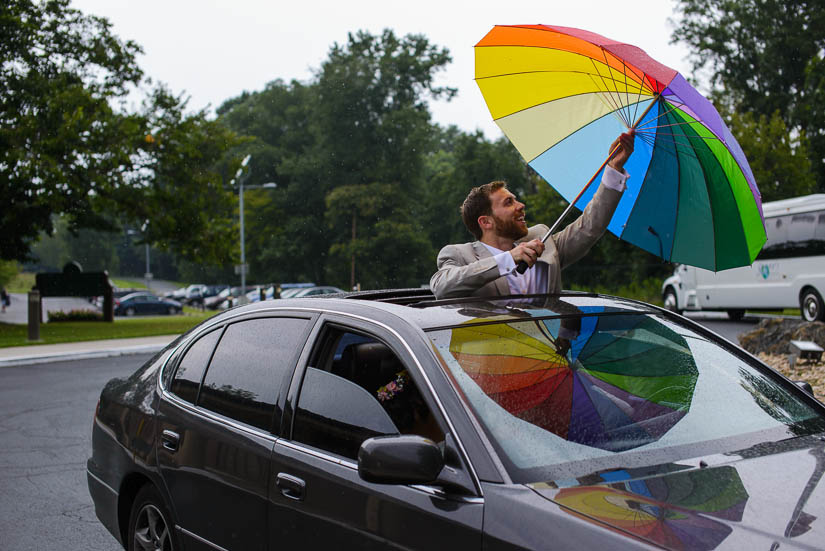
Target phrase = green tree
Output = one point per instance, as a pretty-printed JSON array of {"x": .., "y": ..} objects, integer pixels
[
  {"x": 68, "y": 150},
  {"x": 463, "y": 162},
  {"x": 780, "y": 165},
  {"x": 176, "y": 184},
  {"x": 61, "y": 143},
  {"x": 766, "y": 56},
  {"x": 363, "y": 119},
  {"x": 384, "y": 251},
  {"x": 285, "y": 235}
]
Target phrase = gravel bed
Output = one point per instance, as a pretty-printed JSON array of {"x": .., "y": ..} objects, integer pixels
[{"x": 812, "y": 373}]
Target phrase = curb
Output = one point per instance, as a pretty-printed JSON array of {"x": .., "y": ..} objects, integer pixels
[{"x": 15, "y": 361}]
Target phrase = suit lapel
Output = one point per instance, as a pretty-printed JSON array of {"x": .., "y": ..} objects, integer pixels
[{"x": 480, "y": 251}]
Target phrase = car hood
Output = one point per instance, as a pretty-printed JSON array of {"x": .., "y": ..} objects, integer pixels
[{"x": 761, "y": 496}]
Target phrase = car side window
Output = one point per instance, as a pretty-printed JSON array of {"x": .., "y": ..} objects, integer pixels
[
  {"x": 245, "y": 375},
  {"x": 190, "y": 369},
  {"x": 357, "y": 388}
]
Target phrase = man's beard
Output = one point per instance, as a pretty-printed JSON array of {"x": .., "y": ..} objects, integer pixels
[{"x": 509, "y": 228}]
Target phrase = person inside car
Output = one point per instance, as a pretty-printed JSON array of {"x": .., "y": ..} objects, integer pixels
[{"x": 487, "y": 267}]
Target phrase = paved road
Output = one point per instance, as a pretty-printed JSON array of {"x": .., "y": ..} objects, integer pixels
[
  {"x": 45, "y": 438},
  {"x": 720, "y": 324}
]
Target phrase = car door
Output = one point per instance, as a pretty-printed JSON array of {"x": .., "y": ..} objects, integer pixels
[
  {"x": 318, "y": 499},
  {"x": 215, "y": 426}
]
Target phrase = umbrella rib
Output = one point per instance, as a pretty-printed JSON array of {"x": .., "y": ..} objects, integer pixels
[
  {"x": 716, "y": 138},
  {"x": 614, "y": 109},
  {"x": 627, "y": 106},
  {"x": 672, "y": 109},
  {"x": 613, "y": 80},
  {"x": 616, "y": 104}
]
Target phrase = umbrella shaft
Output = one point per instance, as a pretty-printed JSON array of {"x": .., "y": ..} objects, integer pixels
[{"x": 592, "y": 178}]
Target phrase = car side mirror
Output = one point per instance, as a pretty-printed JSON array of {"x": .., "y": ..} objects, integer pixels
[
  {"x": 400, "y": 459},
  {"x": 804, "y": 385}
]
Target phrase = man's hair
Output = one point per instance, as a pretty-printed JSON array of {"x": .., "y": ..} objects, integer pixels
[{"x": 477, "y": 203}]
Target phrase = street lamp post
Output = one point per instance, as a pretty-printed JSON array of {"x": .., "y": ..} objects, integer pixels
[
  {"x": 240, "y": 177},
  {"x": 148, "y": 274}
]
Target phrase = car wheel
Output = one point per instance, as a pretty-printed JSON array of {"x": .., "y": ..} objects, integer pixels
[
  {"x": 736, "y": 314},
  {"x": 671, "y": 302},
  {"x": 810, "y": 303},
  {"x": 130, "y": 312},
  {"x": 150, "y": 524},
  {"x": 172, "y": 310}
]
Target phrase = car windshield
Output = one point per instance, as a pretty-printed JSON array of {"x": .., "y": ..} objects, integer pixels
[{"x": 561, "y": 398}]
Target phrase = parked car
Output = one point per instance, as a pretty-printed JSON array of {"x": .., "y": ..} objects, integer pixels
[
  {"x": 146, "y": 303},
  {"x": 390, "y": 420},
  {"x": 223, "y": 299},
  {"x": 315, "y": 291}
]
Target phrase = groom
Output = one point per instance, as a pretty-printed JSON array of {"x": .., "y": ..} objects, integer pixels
[{"x": 487, "y": 267}]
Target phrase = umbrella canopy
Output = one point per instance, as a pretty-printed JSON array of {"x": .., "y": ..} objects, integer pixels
[
  {"x": 561, "y": 95},
  {"x": 625, "y": 381}
]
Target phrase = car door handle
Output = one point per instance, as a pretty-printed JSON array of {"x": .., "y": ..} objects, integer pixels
[
  {"x": 290, "y": 486},
  {"x": 170, "y": 440}
]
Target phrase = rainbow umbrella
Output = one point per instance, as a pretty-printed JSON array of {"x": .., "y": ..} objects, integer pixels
[
  {"x": 561, "y": 95},
  {"x": 625, "y": 381}
]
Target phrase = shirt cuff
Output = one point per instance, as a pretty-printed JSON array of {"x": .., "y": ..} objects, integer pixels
[
  {"x": 505, "y": 262},
  {"x": 613, "y": 179}
]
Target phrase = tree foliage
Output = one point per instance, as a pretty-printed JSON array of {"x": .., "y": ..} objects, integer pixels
[
  {"x": 766, "y": 57},
  {"x": 70, "y": 149},
  {"x": 362, "y": 124},
  {"x": 61, "y": 142}
]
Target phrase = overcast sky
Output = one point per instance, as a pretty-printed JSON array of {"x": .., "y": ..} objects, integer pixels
[{"x": 214, "y": 50}]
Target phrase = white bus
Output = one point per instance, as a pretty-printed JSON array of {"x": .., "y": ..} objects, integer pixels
[{"x": 789, "y": 272}]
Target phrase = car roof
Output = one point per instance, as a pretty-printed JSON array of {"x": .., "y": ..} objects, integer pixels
[{"x": 419, "y": 306}]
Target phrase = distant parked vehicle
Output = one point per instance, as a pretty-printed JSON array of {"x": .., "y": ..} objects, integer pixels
[
  {"x": 789, "y": 272},
  {"x": 222, "y": 300},
  {"x": 314, "y": 291},
  {"x": 146, "y": 304}
]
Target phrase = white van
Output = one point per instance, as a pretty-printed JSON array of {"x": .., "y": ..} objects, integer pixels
[{"x": 789, "y": 272}]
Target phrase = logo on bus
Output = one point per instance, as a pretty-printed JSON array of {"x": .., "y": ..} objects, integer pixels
[{"x": 766, "y": 271}]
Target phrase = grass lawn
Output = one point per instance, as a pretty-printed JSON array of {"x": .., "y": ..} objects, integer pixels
[{"x": 75, "y": 331}]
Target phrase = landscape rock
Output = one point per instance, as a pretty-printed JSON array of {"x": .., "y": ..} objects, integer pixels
[{"x": 773, "y": 336}]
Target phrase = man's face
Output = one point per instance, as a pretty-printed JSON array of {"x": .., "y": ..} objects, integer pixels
[{"x": 508, "y": 215}]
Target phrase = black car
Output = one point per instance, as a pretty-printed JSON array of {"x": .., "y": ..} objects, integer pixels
[
  {"x": 143, "y": 303},
  {"x": 395, "y": 421}
]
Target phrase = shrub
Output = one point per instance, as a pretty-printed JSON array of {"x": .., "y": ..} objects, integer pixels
[{"x": 76, "y": 315}]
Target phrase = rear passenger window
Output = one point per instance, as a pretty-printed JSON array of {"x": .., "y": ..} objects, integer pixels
[
  {"x": 190, "y": 370},
  {"x": 249, "y": 366}
]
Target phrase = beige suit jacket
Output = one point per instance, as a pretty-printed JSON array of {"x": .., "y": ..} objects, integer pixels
[{"x": 469, "y": 269}]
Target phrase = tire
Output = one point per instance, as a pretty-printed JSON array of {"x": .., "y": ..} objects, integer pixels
[
  {"x": 810, "y": 305},
  {"x": 130, "y": 312},
  {"x": 172, "y": 311},
  {"x": 736, "y": 314},
  {"x": 150, "y": 524},
  {"x": 670, "y": 301}
]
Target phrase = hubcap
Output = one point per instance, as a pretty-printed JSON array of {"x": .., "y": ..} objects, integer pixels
[
  {"x": 151, "y": 531},
  {"x": 670, "y": 302},
  {"x": 810, "y": 308}
]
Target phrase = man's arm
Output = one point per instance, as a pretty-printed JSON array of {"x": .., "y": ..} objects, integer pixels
[
  {"x": 576, "y": 239},
  {"x": 456, "y": 278}
]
